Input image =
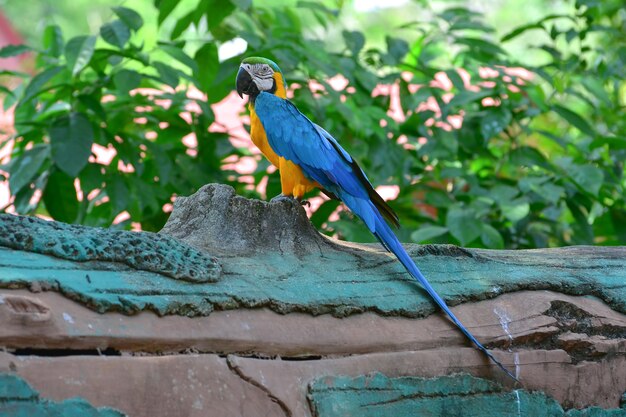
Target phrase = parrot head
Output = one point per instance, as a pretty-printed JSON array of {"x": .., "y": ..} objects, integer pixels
[{"x": 258, "y": 74}]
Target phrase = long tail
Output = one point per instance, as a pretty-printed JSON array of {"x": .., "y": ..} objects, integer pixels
[{"x": 389, "y": 240}]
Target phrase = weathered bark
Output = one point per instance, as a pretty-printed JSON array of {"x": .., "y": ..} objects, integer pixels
[{"x": 293, "y": 319}]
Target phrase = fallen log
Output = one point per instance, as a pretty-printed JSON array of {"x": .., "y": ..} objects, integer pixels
[{"x": 240, "y": 307}]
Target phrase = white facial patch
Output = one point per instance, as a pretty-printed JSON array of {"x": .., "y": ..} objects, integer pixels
[
  {"x": 264, "y": 84},
  {"x": 262, "y": 75}
]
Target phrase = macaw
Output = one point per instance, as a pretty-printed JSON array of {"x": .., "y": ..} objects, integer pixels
[{"x": 308, "y": 157}]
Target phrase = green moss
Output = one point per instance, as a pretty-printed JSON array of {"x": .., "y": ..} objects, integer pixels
[
  {"x": 138, "y": 250},
  {"x": 18, "y": 399},
  {"x": 338, "y": 282},
  {"x": 450, "y": 396}
]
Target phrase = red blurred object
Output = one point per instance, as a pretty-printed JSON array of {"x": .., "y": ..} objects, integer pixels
[{"x": 10, "y": 36}]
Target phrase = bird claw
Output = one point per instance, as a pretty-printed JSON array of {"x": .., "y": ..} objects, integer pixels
[{"x": 282, "y": 197}]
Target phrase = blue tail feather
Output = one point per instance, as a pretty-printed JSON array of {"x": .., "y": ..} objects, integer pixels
[{"x": 389, "y": 240}]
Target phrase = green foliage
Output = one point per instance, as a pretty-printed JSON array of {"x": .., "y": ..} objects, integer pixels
[
  {"x": 83, "y": 95},
  {"x": 502, "y": 160}
]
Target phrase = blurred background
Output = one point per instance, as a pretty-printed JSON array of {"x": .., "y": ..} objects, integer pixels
[{"x": 493, "y": 123}]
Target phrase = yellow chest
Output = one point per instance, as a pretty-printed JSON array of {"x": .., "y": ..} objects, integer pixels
[{"x": 259, "y": 138}]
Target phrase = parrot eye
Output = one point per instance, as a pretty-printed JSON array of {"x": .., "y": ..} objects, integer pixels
[{"x": 264, "y": 69}]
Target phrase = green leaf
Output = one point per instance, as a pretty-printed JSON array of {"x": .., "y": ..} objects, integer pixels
[
  {"x": 15, "y": 73},
  {"x": 13, "y": 50},
  {"x": 470, "y": 25},
  {"x": 22, "y": 200},
  {"x": 242, "y": 4},
  {"x": 60, "y": 199},
  {"x": 118, "y": 193},
  {"x": 501, "y": 193},
  {"x": 165, "y": 8},
  {"x": 529, "y": 156},
  {"x": 179, "y": 55},
  {"x": 618, "y": 218},
  {"x": 126, "y": 80},
  {"x": 38, "y": 81},
  {"x": 494, "y": 122},
  {"x": 456, "y": 79},
  {"x": 217, "y": 11},
  {"x": 481, "y": 45},
  {"x": 397, "y": 48},
  {"x": 208, "y": 62},
  {"x": 7, "y": 91},
  {"x": 463, "y": 224},
  {"x": 491, "y": 237},
  {"x": 323, "y": 212},
  {"x": 537, "y": 96},
  {"x": 78, "y": 52},
  {"x": 182, "y": 24},
  {"x": 613, "y": 142},
  {"x": 91, "y": 177},
  {"x": 596, "y": 87},
  {"x": 115, "y": 33},
  {"x": 24, "y": 168},
  {"x": 354, "y": 41},
  {"x": 454, "y": 13},
  {"x": 52, "y": 110},
  {"x": 167, "y": 74},
  {"x": 319, "y": 6},
  {"x": 132, "y": 19},
  {"x": 71, "y": 138},
  {"x": 551, "y": 192},
  {"x": 518, "y": 31},
  {"x": 588, "y": 177},
  {"x": 94, "y": 104},
  {"x": 574, "y": 119},
  {"x": 53, "y": 40},
  {"x": 515, "y": 210},
  {"x": 583, "y": 230},
  {"x": 427, "y": 233},
  {"x": 464, "y": 97}
]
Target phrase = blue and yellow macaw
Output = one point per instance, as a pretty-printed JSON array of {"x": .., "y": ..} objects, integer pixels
[{"x": 309, "y": 157}]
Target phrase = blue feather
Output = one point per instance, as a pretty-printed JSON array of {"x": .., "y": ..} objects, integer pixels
[{"x": 294, "y": 137}]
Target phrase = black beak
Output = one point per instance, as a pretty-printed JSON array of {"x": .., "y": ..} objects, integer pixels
[{"x": 245, "y": 85}]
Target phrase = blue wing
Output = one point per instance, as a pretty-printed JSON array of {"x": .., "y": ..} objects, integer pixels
[{"x": 294, "y": 137}]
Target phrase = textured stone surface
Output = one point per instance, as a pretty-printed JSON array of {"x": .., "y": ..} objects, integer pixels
[
  {"x": 13, "y": 388},
  {"x": 550, "y": 371},
  {"x": 516, "y": 321},
  {"x": 18, "y": 399},
  {"x": 285, "y": 313},
  {"x": 463, "y": 395},
  {"x": 164, "y": 386},
  {"x": 139, "y": 250},
  {"x": 217, "y": 220},
  {"x": 526, "y": 328},
  {"x": 207, "y": 385}
]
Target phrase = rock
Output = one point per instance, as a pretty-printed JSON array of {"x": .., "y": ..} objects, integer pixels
[
  {"x": 463, "y": 395},
  {"x": 216, "y": 220},
  {"x": 18, "y": 399},
  {"x": 306, "y": 348}
]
